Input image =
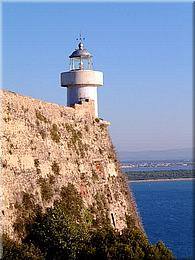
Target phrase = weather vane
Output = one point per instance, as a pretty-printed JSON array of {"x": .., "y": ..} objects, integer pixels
[{"x": 80, "y": 38}]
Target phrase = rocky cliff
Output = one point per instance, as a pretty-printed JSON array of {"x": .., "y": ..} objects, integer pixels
[{"x": 45, "y": 146}]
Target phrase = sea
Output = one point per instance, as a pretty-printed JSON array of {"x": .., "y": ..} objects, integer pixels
[{"x": 166, "y": 211}]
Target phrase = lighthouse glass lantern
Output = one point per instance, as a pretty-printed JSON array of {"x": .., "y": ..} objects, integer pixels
[
  {"x": 81, "y": 80},
  {"x": 81, "y": 59}
]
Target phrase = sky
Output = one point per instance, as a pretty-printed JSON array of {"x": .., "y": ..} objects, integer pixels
[{"x": 143, "y": 49}]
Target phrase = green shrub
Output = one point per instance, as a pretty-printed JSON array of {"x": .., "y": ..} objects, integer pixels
[
  {"x": 66, "y": 231},
  {"x": 25, "y": 213},
  {"x": 46, "y": 189},
  {"x": 86, "y": 128},
  {"x": 103, "y": 127},
  {"x": 24, "y": 109},
  {"x": 55, "y": 134},
  {"x": 51, "y": 179},
  {"x": 6, "y": 119},
  {"x": 42, "y": 133},
  {"x": 76, "y": 140},
  {"x": 95, "y": 176},
  {"x": 36, "y": 163},
  {"x": 68, "y": 127},
  {"x": 28, "y": 200},
  {"x": 55, "y": 168},
  {"x": 14, "y": 251},
  {"x": 40, "y": 116}
]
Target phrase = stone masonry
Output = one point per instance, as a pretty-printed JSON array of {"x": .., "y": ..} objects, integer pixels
[{"x": 45, "y": 143}]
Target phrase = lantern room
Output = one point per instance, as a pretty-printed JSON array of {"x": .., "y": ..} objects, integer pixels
[{"x": 81, "y": 59}]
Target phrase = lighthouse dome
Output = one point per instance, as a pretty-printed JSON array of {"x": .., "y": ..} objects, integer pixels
[{"x": 81, "y": 52}]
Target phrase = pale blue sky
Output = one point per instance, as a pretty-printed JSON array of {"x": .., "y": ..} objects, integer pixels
[{"x": 144, "y": 50}]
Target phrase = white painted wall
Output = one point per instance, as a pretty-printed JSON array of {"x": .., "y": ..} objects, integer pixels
[
  {"x": 82, "y": 84},
  {"x": 75, "y": 93},
  {"x": 82, "y": 77}
]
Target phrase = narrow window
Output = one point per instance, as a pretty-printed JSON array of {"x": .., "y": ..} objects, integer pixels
[{"x": 113, "y": 222}]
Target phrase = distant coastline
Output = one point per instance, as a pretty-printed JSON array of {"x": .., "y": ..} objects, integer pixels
[
  {"x": 159, "y": 175},
  {"x": 161, "y": 180}
]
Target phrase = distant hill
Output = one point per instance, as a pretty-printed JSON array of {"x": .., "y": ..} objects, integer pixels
[{"x": 172, "y": 154}]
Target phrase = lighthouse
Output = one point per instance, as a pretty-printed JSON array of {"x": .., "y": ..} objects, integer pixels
[{"x": 81, "y": 80}]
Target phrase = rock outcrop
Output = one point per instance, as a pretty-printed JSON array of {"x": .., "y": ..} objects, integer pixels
[{"x": 45, "y": 146}]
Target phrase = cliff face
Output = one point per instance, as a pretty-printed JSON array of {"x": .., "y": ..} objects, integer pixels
[{"x": 46, "y": 146}]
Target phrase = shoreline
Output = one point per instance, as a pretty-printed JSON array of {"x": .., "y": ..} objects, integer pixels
[{"x": 161, "y": 180}]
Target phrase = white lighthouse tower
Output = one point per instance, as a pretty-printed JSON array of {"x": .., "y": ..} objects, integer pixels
[{"x": 81, "y": 80}]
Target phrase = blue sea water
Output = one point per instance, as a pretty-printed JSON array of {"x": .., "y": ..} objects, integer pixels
[{"x": 166, "y": 212}]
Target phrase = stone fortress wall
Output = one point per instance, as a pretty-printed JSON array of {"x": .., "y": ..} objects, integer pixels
[{"x": 46, "y": 146}]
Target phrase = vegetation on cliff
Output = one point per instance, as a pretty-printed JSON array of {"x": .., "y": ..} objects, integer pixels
[{"x": 69, "y": 230}]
